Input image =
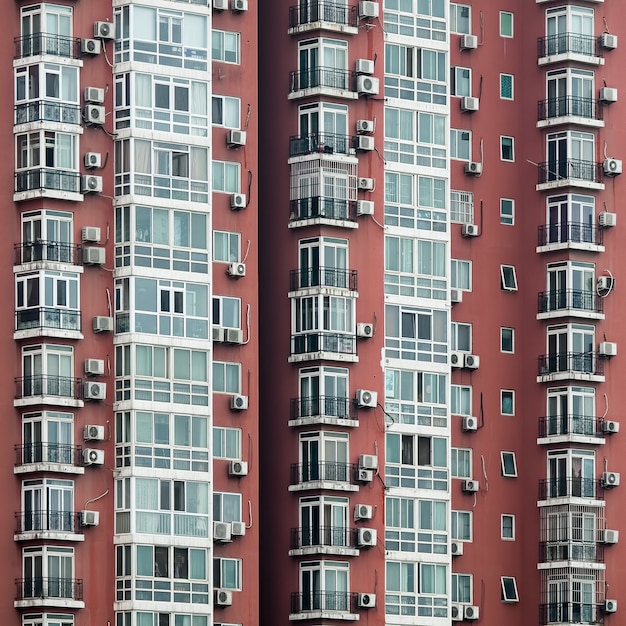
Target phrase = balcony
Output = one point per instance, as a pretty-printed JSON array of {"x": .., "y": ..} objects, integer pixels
[
  {"x": 570, "y": 366},
  {"x": 48, "y": 457},
  {"x": 569, "y": 173},
  {"x": 52, "y": 251},
  {"x": 324, "y": 143},
  {"x": 323, "y": 15},
  {"x": 575, "y": 428},
  {"x": 60, "y": 525},
  {"x": 324, "y": 605},
  {"x": 588, "y": 488},
  {"x": 570, "y": 235},
  {"x": 569, "y": 47},
  {"x": 570, "y": 303},
  {"x": 54, "y": 592},
  {"x": 47, "y": 182},
  {"x": 569, "y": 110},
  {"x": 44, "y": 389},
  {"x": 320, "y": 210},
  {"x": 317, "y": 346},
  {"x": 568, "y": 550},
  {"x": 47, "y": 111},
  {"x": 336, "y": 411},
  {"x": 333, "y": 277},
  {"x": 46, "y": 44},
  {"x": 557, "y": 613},
  {"x": 337, "y": 540},
  {"x": 323, "y": 475},
  {"x": 48, "y": 322},
  {"x": 322, "y": 81}
]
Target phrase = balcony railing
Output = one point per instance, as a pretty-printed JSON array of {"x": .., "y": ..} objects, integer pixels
[
  {"x": 44, "y": 317},
  {"x": 323, "y": 342},
  {"x": 563, "y": 106},
  {"x": 324, "y": 143},
  {"x": 45, "y": 43},
  {"x": 565, "y": 43},
  {"x": 321, "y": 77},
  {"x": 581, "y": 362},
  {"x": 41, "y": 250},
  {"x": 563, "y": 299},
  {"x": 54, "y": 521},
  {"x": 323, "y": 406},
  {"x": 329, "y": 208},
  {"x": 555, "y": 426},
  {"x": 322, "y": 11},
  {"x": 570, "y": 613},
  {"x": 323, "y": 471},
  {"x": 570, "y": 232},
  {"x": 323, "y": 277},
  {"x": 323, "y": 536},
  {"x": 570, "y": 551},
  {"x": 43, "y": 385},
  {"x": 43, "y": 588},
  {"x": 339, "y": 601},
  {"x": 46, "y": 178},
  {"x": 570, "y": 487},
  {"x": 42, "y": 452},
  {"x": 47, "y": 111},
  {"x": 569, "y": 169}
]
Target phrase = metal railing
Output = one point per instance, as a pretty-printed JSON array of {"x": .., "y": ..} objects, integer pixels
[
  {"x": 322, "y": 11},
  {"x": 569, "y": 105},
  {"x": 323, "y": 471},
  {"x": 42, "y": 250},
  {"x": 564, "y": 43},
  {"x": 43, "y": 385},
  {"x": 42, "y": 588},
  {"x": 323, "y": 277},
  {"x": 582, "y": 362},
  {"x": 566, "y": 232},
  {"x": 325, "y": 143},
  {"x": 562, "y": 299},
  {"x": 554, "y": 426},
  {"x": 42, "y": 452},
  {"x": 47, "y": 178},
  {"x": 337, "y": 536},
  {"x": 46, "y": 317},
  {"x": 339, "y": 601},
  {"x": 570, "y": 487},
  {"x": 570, "y": 613},
  {"x": 45, "y": 43},
  {"x": 323, "y": 406},
  {"x": 47, "y": 111},
  {"x": 569, "y": 169},
  {"x": 323, "y": 342},
  {"x": 568, "y": 550},
  {"x": 55, "y": 521},
  {"x": 322, "y": 77},
  {"x": 330, "y": 208}
]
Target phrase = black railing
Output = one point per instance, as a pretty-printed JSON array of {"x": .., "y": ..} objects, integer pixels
[
  {"x": 321, "y": 77},
  {"x": 323, "y": 342},
  {"x": 554, "y": 426},
  {"x": 569, "y": 169},
  {"x": 323, "y": 277},
  {"x": 564, "y": 43},
  {"x": 569, "y": 105},
  {"x": 339, "y": 601},
  {"x": 330, "y": 208},
  {"x": 59, "y": 521},
  {"x": 41, "y": 250},
  {"x": 570, "y": 232},
  {"x": 47, "y": 178},
  {"x": 311, "y": 11},
  {"x": 45, "y": 43},
  {"x": 570, "y": 613},
  {"x": 42, "y": 385},
  {"x": 323, "y": 406},
  {"x": 335, "y": 536},
  {"x": 569, "y": 550},
  {"x": 323, "y": 471},
  {"x": 45, "y": 317},
  {"x": 42, "y": 588},
  {"x": 324, "y": 143},
  {"x": 582, "y": 362},
  {"x": 47, "y": 111},
  {"x": 42, "y": 452},
  {"x": 561, "y": 299},
  {"x": 570, "y": 487}
]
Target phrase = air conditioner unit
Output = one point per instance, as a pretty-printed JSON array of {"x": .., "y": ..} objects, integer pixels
[
  {"x": 367, "y": 85},
  {"x": 612, "y": 167},
  {"x": 471, "y": 362},
  {"x": 469, "y": 424},
  {"x": 238, "y": 201},
  {"x": 470, "y": 104},
  {"x": 457, "y": 359},
  {"x": 94, "y": 391},
  {"x": 469, "y": 42},
  {"x": 366, "y": 398},
  {"x": 364, "y": 66},
  {"x": 223, "y": 597},
  {"x": 238, "y": 529},
  {"x": 94, "y": 95},
  {"x": 456, "y": 295},
  {"x": 608, "y": 41},
  {"x": 238, "y": 402},
  {"x": 92, "y": 159},
  {"x": 221, "y": 531},
  {"x": 104, "y": 30},
  {"x": 608, "y": 95},
  {"x": 236, "y": 138},
  {"x": 474, "y": 168},
  {"x": 366, "y": 184},
  {"x": 90, "y": 184},
  {"x": 471, "y": 613},
  {"x": 89, "y": 518},
  {"x": 364, "y": 143},
  {"x": 456, "y": 612},
  {"x": 609, "y": 536},
  {"x": 220, "y": 5},
  {"x": 233, "y": 335},
  {"x": 607, "y": 349},
  {"x": 92, "y": 432},
  {"x": 363, "y": 512},
  {"x": 366, "y": 537},
  {"x": 610, "y": 479},
  {"x": 94, "y": 255},
  {"x": 365, "y": 476},
  {"x": 218, "y": 334},
  {"x": 238, "y": 468},
  {"x": 238, "y": 270},
  {"x": 90, "y": 46},
  {"x": 605, "y": 283},
  {"x": 364, "y": 126},
  {"x": 366, "y": 600},
  {"x": 94, "y": 367},
  {"x": 609, "y": 427},
  {"x": 470, "y": 486},
  {"x": 469, "y": 230},
  {"x": 610, "y": 606},
  {"x": 94, "y": 114},
  {"x": 93, "y": 457},
  {"x": 607, "y": 220},
  {"x": 456, "y": 548},
  {"x": 364, "y": 207},
  {"x": 239, "y": 5},
  {"x": 365, "y": 330},
  {"x": 368, "y": 462},
  {"x": 368, "y": 9},
  {"x": 90, "y": 233},
  {"x": 102, "y": 324}
]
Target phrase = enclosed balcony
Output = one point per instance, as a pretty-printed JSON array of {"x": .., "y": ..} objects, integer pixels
[
  {"x": 562, "y": 487},
  {"x": 324, "y": 605},
  {"x": 333, "y": 277},
  {"x": 571, "y": 427},
  {"x": 324, "y": 475},
  {"x": 323, "y": 81},
  {"x": 48, "y": 457},
  {"x": 570, "y": 365},
  {"x": 569, "y": 47},
  {"x": 48, "y": 389},
  {"x": 321, "y": 210},
  {"x": 570, "y": 303},
  {"x": 570, "y": 235},
  {"x": 569, "y": 173},
  {"x": 569, "y": 110},
  {"x": 61, "y": 525},
  {"x": 338, "y": 411},
  {"x": 557, "y": 613},
  {"x": 570, "y": 550},
  {"x": 46, "y": 318},
  {"x": 337, "y": 540},
  {"x": 47, "y": 111},
  {"x": 54, "y": 592},
  {"x": 323, "y": 15},
  {"x": 323, "y": 346},
  {"x": 47, "y": 182},
  {"x": 46, "y": 44},
  {"x": 325, "y": 143},
  {"x": 52, "y": 251}
]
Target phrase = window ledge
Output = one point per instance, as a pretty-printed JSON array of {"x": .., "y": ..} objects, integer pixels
[
  {"x": 334, "y": 550},
  {"x": 320, "y": 290},
  {"x": 56, "y": 266},
  {"x": 341, "y": 615},
  {"x": 47, "y": 332},
  {"x": 61, "y": 603},
  {"x": 569, "y": 500},
  {"x": 75, "y": 129},
  {"x": 324, "y": 419},
  {"x": 570, "y": 56},
  {"x": 324, "y": 484},
  {"x": 572, "y": 438},
  {"x": 554, "y": 376},
  {"x": 588, "y": 565},
  {"x": 588, "y": 315},
  {"x": 570, "y": 245},
  {"x": 59, "y": 468},
  {"x": 323, "y": 91},
  {"x": 570, "y": 119},
  {"x": 569, "y": 182},
  {"x": 51, "y": 400},
  {"x": 322, "y": 221},
  {"x": 48, "y": 193},
  {"x": 323, "y": 25},
  {"x": 48, "y": 535},
  {"x": 323, "y": 356}
]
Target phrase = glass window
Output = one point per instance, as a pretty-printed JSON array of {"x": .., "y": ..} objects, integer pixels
[
  {"x": 461, "y": 274},
  {"x": 461, "y": 337},
  {"x": 509, "y": 589},
  {"x": 507, "y": 211},
  {"x": 226, "y": 112},
  {"x": 225, "y": 46},
  {"x": 460, "y": 19},
  {"x": 508, "y": 278},
  {"x": 226, "y": 377},
  {"x": 507, "y": 527},
  {"x": 227, "y": 573},
  {"x": 461, "y": 462},
  {"x": 460, "y": 144},
  {"x": 507, "y": 337},
  {"x": 506, "y": 148},
  {"x": 226, "y": 443},
  {"x": 226, "y": 246},
  {"x": 506, "y": 86},
  {"x": 461, "y": 81},
  {"x": 462, "y": 588},
  {"x": 226, "y": 176},
  {"x": 506, "y": 24},
  {"x": 461, "y": 525},
  {"x": 460, "y": 400},
  {"x": 507, "y": 402},
  {"x": 509, "y": 465},
  {"x": 226, "y": 507}
]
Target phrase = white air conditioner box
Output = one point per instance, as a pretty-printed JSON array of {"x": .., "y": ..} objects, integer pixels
[
  {"x": 218, "y": 334},
  {"x": 366, "y": 600},
  {"x": 364, "y": 66},
  {"x": 612, "y": 167},
  {"x": 238, "y": 468},
  {"x": 607, "y": 349},
  {"x": 607, "y": 220},
  {"x": 365, "y": 330},
  {"x": 91, "y": 234},
  {"x": 608, "y": 41},
  {"x": 102, "y": 324},
  {"x": 89, "y": 518},
  {"x": 470, "y": 486},
  {"x": 365, "y": 184},
  {"x": 93, "y": 457},
  {"x": 456, "y": 548},
  {"x": 471, "y": 362},
  {"x": 94, "y": 255},
  {"x": 364, "y": 126},
  {"x": 470, "y": 424},
  {"x": 457, "y": 359},
  {"x": 368, "y": 9},
  {"x": 233, "y": 335},
  {"x": 364, "y": 207},
  {"x": 364, "y": 143},
  {"x": 368, "y": 462},
  {"x": 221, "y": 531},
  {"x": 94, "y": 391},
  {"x": 367, "y": 85},
  {"x": 470, "y": 104},
  {"x": 220, "y": 5},
  {"x": 610, "y": 536},
  {"x": 365, "y": 476},
  {"x": 104, "y": 30},
  {"x": 609, "y": 427},
  {"x": 469, "y": 42},
  {"x": 90, "y": 184},
  {"x": 94, "y": 114},
  {"x": 456, "y": 612},
  {"x": 94, "y": 95},
  {"x": 469, "y": 230},
  {"x": 238, "y": 270},
  {"x": 474, "y": 168},
  {"x": 608, "y": 95},
  {"x": 90, "y": 46},
  {"x": 238, "y": 529},
  {"x": 94, "y": 367},
  {"x": 366, "y": 398},
  {"x": 239, "y": 5},
  {"x": 238, "y": 201},
  {"x": 93, "y": 432},
  {"x": 605, "y": 283},
  {"x": 236, "y": 138},
  {"x": 92, "y": 160},
  {"x": 238, "y": 402},
  {"x": 366, "y": 537},
  {"x": 610, "y": 479},
  {"x": 610, "y": 606},
  {"x": 223, "y": 597},
  {"x": 363, "y": 512},
  {"x": 471, "y": 613},
  {"x": 456, "y": 295}
]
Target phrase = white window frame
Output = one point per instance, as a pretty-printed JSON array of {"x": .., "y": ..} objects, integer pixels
[
  {"x": 233, "y": 244},
  {"x": 454, "y": 525},
  {"x": 455, "y": 328},
  {"x": 227, "y": 103},
  {"x": 507, "y": 216},
  {"x": 221, "y": 434},
  {"x": 512, "y": 77},
  {"x": 457, "y": 136},
  {"x": 455, "y": 70},
  {"x": 504, "y": 456},
  {"x": 219, "y": 302},
  {"x": 503, "y": 587},
  {"x": 454, "y": 274},
  {"x": 234, "y": 169},
  {"x": 455, "y": 586},
  {"x": 219, "y": 507},
  {"x": 233, "y": 49},
  {"x": 512, "y": 350},
  {"x": 461, "y": 390},
  {"x": 226, "y": 561},
  {"x": 508, "y": 278},
  {"x": 506, "y": 14},
  {"x": 502, "y": 140},
  {"x": 511, "y": 517},
  {"x": 226, "y": 366},
  {"x": 466, "y": 454},
  {"x": 454, "y": 19},
  {"x": 504, "y": 392}
]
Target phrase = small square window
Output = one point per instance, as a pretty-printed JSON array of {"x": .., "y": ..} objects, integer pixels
[
  {"x": 506, "y": 24},
  {"x": 509, "y": 466},
  {"x": 507, "y": 337},
  {"x": 506, "y": 86},
  {"x": 507, "y": 402},
  {"x": 508, "y": 278},
  {"x": 507, "y": 211},
  {"x": 509, "y": 589},
  {"x": 506, "y": 149},
  {"x": 507, "y": 527}
]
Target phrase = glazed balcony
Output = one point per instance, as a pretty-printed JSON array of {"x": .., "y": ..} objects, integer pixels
[
  {"x": 323, "y": 277},
  {"x": 589, "y": 488},
  {"x": 570, "y": 365},
  {"x": 324, "y": 143},
  {"x": 323, "y": 80},
  {"x": 569, "y": 303},
  {"x": 42, "y": 456},
  {"x": 339, "y": 411},
  {"x": 52, "y": 251},
  {"x": 47, "y": 111},
  {"x": 323, "y": 210},
  {"x": 551, "y": 551},
  {"x": 324, "y": 475},
  {"x": 315, "y": 346},
  {"x": 56, "y": 592},
  {"x": 324, "y": 605},
  {"x": 574, "y": 235},
  {"x": 324, "y": 540},
  {"x": 570, "y": 428},
  {"x": 47, "y": 181},
  {"x": 569, "y": 173},
  {"x": 46, "y": 44},
  {"x": 323, "y": 15},
  {"x": 569, "y": 46},
  {"x": 46, "y": 318},
  {"x": 557, "y": 613},
  {"x": 47, "y": 522}
]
